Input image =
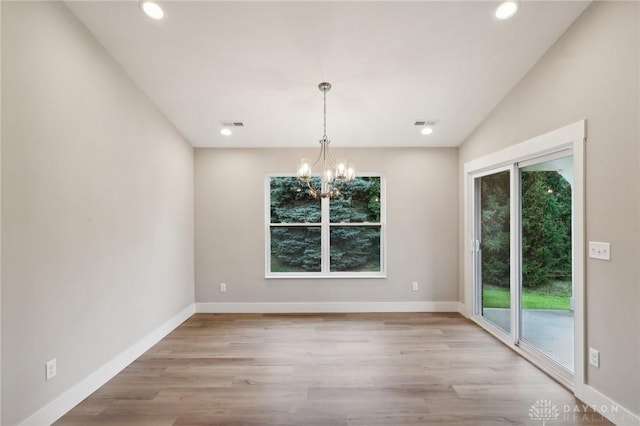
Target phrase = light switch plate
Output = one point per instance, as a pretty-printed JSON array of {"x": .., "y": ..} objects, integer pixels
[{"x": 599, "y": 250}]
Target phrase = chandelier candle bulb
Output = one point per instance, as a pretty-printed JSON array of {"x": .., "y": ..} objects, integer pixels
[
  {"x": 351, "y": 174},
  {"x": 329, "y": 176},
  {"x": 341, "y": 169},
  {"x": 304, "y": 170}
]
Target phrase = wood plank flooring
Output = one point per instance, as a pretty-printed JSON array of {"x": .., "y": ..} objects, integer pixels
[{"x": 328, "y": 369}]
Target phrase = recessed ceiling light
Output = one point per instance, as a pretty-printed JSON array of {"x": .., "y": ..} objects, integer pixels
[
  {"x": 152, "y": 9},
  {"x": 226, "y": 132},
  {"x": 426, "y": 130},
  {"x": 507, "y": 9}
]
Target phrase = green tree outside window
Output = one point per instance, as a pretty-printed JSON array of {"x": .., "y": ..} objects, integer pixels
[{"x": 354, "y": 236}]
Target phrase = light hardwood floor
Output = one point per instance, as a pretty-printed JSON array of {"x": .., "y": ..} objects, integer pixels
[{"x": 328, "y": 369}]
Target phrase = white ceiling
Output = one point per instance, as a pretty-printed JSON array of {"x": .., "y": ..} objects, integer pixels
[{"x": 390, "y": 63}]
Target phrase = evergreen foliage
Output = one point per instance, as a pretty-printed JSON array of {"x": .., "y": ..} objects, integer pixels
[
  {"x": 495, "y": 237},
  {"x": 546, "y": 228},
  {"x": 352, "y": 248}
]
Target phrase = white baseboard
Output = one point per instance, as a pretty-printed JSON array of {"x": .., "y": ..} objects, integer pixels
[
  {"x": 462, "y": 310},
  {"x": 325, "y": 307},
  {"x": 611, "y": 410},
  {"x": 69, "y": 399}
]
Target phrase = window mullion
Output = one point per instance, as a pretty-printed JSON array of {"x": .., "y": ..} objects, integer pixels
[{"x": 325, "y": 235}]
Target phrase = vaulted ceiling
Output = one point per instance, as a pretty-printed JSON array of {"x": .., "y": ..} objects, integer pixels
[{"x": 390, "y": 64}]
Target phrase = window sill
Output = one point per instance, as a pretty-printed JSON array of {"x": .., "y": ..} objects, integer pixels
[{"x": 337, "y": 275}]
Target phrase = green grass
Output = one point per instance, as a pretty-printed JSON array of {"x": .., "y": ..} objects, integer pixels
[{"x": 494, "y": 297}]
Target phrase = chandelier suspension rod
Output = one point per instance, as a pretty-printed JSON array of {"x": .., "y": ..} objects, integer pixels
[{"x": 324, "y": 93}]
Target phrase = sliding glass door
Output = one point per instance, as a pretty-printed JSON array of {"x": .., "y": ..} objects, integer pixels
[{"x": 523, "y": 264}]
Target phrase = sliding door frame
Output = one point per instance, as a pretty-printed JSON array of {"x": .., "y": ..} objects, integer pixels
[{"x": 571, "y": 137}]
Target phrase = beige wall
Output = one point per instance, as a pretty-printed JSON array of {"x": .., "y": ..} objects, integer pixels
[
  {"x": 97, "y": 208},
  {"x": 421, "y": 227},
  {"x": 592, "y": 72}
]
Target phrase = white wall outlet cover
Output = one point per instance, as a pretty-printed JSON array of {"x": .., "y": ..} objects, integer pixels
[
  {"x": 594, "y": 357},
  {"x": 51, "y": 369}
]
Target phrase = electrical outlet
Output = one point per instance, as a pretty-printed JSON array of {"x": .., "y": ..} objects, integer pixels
[
  {"x": 223, "y": 287},
  {"x": 50, "y": 369},
  {"x": 594, "y": 358},
  {"x": 414, "y": 286}
]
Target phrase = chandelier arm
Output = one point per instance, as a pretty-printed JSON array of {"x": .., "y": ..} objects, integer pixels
[
  {"x": 319, "y": 154},
  {"x": 311, "y": 186},
  {"x": 331, "y": 160}
]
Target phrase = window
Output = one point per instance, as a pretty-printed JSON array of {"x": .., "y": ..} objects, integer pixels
[{"x": 342, "y": 237}]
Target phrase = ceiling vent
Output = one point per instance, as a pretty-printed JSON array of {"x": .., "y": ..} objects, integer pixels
[
  {"x": 430, "y": 123},
  {"x": 232, "y": 123}
]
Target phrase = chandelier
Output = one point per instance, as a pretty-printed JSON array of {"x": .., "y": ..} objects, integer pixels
[{"x": 335, "y": 174}]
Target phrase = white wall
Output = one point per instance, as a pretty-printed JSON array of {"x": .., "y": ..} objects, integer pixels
[
  {"x": 97, "y": 208},
  {"x": 592, "y": 73},
  {"x": 421, "y": 227}
]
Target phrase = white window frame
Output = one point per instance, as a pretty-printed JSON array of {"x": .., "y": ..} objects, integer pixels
[{"x": 325, "y": 235}]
